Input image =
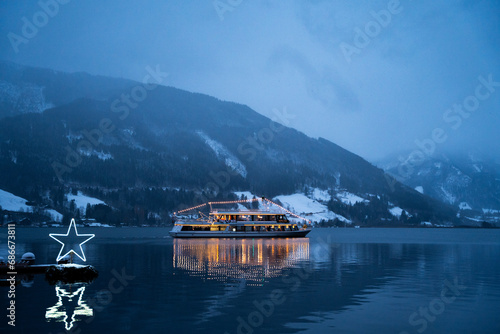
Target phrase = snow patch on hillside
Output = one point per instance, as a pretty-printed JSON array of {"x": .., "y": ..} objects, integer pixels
[
  {"x": 247, "y": 194},
  {"x": 464, "y": 206},
  {"x": 73, "y": 137},
  {"x": 98, "y": 225},
  {"x": 457, "y": 180},
  {"x": 448, "y": 196},
  {"x": 241, "y": 207},
  {"x": 99, "y": 154},
  {"x": 54, "y": 215},
  {"x": 25, "y": 99},
  {"x": 11, "y": 202},
  {"x": 82, "y": 200},
  {"x": 308, "y": 208},
  {"x": 223, "y": 153},
  {"x": 420, "y": 189},
  {"x": 349, "y": 198},
  {"x": 103, "y": 156},
  {"x": 320, "y": 195},
  {"x": 263, "y": 205},
  {"x": 396, "y": 211},
  {"x": 491, "y": 211}
]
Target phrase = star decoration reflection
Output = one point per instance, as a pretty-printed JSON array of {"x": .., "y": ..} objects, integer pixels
[
  {"x": 69, "y": 238},
  {"x": 69, "y": 305}
]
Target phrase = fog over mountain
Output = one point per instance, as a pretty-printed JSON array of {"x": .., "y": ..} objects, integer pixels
[{"x": 375, "y": 77}]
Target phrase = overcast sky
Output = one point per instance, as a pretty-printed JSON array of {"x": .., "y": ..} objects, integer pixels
[{"x": 373, "y": 88}]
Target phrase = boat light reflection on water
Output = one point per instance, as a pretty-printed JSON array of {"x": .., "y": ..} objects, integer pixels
[{"x": 252, "y": 260}]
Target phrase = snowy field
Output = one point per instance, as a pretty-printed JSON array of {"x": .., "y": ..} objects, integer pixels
[
  {"x": 82, "y": 200},
  {"x": 11, "y": 202}
]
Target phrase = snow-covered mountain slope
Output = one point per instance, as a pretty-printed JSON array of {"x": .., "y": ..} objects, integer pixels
[
  {"x": 349, "y": 198},
  {"x": 13, "y": 203},
  {"x": 172, "y": 138},
  {"x": 309, "y": 208},
  {"x": 468, "y": 181},
  {"x": 224, "y": 154},
  {"x": 315, "y": 205},
  {"x": 26, "y": 89},
  {"x": 20, "y": 99}
]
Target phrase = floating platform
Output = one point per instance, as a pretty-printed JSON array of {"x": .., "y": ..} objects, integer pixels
[
  {"x": 25, "y": 269},
  {"x": 70, "y": 273},
  {"x": 64, "y": 273}
]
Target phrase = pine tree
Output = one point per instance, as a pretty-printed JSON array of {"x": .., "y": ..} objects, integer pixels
[
  {"x": 88, "y": 210},
  {"x": 404, "y": 217},
  {"x": 72, "y": 206},
  {"x": 255, "y": 204}
]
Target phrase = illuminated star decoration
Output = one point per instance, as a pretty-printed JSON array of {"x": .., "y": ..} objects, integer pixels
[{"x": 61, "y": 236}]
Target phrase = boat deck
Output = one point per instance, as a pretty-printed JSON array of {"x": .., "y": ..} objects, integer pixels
[{"x": 240, "y": 234}]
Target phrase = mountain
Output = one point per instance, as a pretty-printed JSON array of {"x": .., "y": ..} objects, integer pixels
[
  {"x": 470, "y": 181},
  {"x": 146, "y": 150},
  {"x": 26, "y": 89}
]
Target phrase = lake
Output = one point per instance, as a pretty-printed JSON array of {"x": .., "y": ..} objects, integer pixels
[{"x": 367, "y": 280}]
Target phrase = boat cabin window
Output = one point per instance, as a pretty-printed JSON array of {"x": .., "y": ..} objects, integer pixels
[
  {"x": 225, "y": 217},
  {"x": 281, "y": 219},
  {"x": 195, "y": 228},
  {"x": 265, "y": 218},
  {"x": 254, "y": 217}
]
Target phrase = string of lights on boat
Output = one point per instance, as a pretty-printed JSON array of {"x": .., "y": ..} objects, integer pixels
[{"x": 243, "y": 201}]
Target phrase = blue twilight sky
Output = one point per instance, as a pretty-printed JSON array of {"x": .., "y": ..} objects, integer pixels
[{"x": 373, "y": 88}]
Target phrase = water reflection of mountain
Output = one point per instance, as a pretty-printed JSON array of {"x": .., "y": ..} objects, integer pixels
[{"x": 253, "y": 260}]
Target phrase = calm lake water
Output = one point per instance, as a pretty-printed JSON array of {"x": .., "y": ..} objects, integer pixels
[{"x": 334, "y": 281}]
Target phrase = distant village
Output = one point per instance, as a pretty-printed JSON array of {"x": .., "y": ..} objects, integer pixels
[{"x": 26, "y": 219}]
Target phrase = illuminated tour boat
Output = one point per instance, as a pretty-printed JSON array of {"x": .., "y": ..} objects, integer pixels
[{"x": 239, "y": 223}]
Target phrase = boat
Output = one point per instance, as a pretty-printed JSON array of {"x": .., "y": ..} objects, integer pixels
[{"x": 240, "y": 222}]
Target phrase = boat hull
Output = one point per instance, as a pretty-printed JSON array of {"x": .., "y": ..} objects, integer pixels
[{"x": 242, "y": 234}]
